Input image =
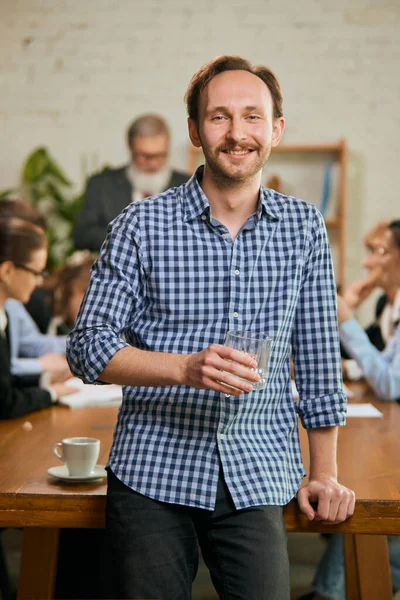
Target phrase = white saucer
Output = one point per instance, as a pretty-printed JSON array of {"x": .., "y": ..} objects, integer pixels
[{"x": 61, "y": 472}]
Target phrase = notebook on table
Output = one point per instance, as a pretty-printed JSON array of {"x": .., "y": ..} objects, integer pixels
[{"x": 92, "y": 395}]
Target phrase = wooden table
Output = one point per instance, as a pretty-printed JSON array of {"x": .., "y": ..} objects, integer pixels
[
  {"x": 368, "y": 460},
  {"x": 369, "y": 451}
]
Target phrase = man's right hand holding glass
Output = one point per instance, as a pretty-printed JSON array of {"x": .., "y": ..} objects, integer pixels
[{"x": 219, "y": 368}]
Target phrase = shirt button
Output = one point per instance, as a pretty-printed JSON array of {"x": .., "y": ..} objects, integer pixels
[
  {"x": 221, "y": 436},
  {"x": 237, "y": 272},
  {"x": 224, "y": 236},
  {"x": 203, "y": 217},
  {"x": 235, "y": 314}
]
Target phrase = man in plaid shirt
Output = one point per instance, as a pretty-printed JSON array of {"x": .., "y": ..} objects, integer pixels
[{"x": 198, "y": 455}]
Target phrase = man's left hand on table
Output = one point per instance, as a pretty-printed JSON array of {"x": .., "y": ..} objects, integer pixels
[{"x": 334, "y": 502}]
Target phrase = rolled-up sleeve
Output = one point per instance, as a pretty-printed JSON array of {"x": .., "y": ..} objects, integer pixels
[
  {"x": 315, "y": 339},
  {"x": 109, "y": 303}
]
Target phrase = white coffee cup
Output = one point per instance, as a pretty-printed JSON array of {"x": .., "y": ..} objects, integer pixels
[{"x": 79, "y": 454}]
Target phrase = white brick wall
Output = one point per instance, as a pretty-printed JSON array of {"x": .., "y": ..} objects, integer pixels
[{"x": 73, "y": 73}]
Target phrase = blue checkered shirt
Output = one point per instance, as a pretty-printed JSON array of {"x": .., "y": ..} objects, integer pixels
[{"x": 169, "y": 279}]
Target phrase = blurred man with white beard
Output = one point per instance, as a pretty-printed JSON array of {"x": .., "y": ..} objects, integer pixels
[{"x": 148, "y": 174}]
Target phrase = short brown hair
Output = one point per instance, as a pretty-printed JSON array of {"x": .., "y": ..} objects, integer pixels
[
  {"x": 230, "y": 63},
  {"x": 18, "y": 239},
  {"x": 147, "y": 126}
]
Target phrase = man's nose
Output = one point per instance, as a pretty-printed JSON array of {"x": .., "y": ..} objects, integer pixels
[{"x": 236, "y": 131}]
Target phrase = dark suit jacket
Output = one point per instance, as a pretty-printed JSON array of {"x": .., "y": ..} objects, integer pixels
[
  {"x": 107, "y": 194},
  {"x": 17, "y": 396}
]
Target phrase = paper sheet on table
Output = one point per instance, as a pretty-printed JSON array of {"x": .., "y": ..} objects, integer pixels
[
  {"x": 92, "y": 395},
  {"x": 295, "y": 393},
  {"x": 363, "y": 410}
]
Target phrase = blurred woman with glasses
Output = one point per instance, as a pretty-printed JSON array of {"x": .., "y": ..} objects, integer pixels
[
  {"x": 23, "y": 255},
  {"x": 381, "y": 242},
  {"x": 380, "y": 369}
]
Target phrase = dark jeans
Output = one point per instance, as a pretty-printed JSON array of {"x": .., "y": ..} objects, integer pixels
[{"x": 154, "y": 547}]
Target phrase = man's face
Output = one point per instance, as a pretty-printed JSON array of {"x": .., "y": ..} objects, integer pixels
[
  {"x": 236, "y": 128},
  {"x": 150, "y": 153},
  {"x": 383, "y": 258}
]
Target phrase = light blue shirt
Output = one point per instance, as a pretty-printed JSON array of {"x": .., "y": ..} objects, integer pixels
[
  {"x": 26, "y": 341},
  {"x": 380, "y": 369}
]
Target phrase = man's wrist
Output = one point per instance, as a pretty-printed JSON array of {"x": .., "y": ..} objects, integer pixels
[{"x": 180, "y": 372}]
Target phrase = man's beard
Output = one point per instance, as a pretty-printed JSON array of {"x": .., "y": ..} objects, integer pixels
[
  {"x": 228, "y": 175},
  {"x": 151, "y": 183}
]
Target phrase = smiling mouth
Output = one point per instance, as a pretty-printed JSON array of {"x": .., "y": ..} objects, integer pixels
[{"x": 231, "y": 152}]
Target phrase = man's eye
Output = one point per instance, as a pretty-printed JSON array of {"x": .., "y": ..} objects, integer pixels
[
  {"x": 253, "y": 117},
  {"x": 218, "y": 118}
]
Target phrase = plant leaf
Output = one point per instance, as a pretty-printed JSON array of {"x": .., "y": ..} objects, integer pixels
[{"x": 35, "y": 165}]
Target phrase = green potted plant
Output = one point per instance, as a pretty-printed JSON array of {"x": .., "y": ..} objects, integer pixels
[{"x": 47, "y": 188}]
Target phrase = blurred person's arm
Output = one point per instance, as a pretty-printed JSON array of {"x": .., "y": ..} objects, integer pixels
[
  {"x": 32, "y": 343},
  {"x": 20, "y": 396},
  {"x": 358, "y": 291},
  {"x": 27, "y": 367},
  {"x": 27, "y": 344},
  {"x": 380, "y": 369}
]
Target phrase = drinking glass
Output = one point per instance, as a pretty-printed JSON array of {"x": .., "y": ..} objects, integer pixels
[{"x": 257, "y": 346}]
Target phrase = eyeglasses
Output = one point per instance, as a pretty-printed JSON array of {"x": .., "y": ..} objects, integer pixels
[{"x": 43, "y": 274}]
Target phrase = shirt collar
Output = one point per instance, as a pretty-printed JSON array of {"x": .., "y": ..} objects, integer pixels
[
  {"x": 271, "y": 203},
  {"x": 196, "y": 202}
]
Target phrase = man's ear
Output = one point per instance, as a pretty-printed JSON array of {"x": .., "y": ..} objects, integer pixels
[
  {"x": 6, "y": 268},
  {"x": 193, "y": 133},
  {"x": 277, "y": 132}
]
